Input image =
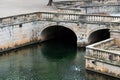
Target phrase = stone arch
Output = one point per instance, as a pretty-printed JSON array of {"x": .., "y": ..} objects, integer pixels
[
  {"x": 58, "y": 32},
  {"x": 98, "y": 35},
  {"x": 96, "y": 29}
]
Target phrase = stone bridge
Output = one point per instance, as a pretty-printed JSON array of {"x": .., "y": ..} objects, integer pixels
[
  {"x": 102, "y": 57},
  {"x": 40, "y": 26}
]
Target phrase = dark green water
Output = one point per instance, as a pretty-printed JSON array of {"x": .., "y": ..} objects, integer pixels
[{"x": 47, "y": 61}]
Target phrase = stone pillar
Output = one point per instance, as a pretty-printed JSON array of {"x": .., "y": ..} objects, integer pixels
[{"x": 116, "y": 35}]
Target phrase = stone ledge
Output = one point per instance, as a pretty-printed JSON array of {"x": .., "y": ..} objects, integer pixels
[
  {"x": 103, "y": 73},
  {"x": 103, "y": 61}
]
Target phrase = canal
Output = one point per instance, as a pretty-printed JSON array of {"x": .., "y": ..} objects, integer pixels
[{"x": 47, "y": 61}]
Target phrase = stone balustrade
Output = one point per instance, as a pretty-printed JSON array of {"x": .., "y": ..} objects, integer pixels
[
  {"x": 103, "y": 44},
  {"x": 88, "y": 8},
  {"x": 98, "y": 52},
  {"x": 72, "y": 11},
  {"x": 59, "y": 17},
  {"x": 88, "y": 2}
]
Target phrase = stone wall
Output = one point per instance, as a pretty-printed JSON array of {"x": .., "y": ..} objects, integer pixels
[
  {"x": 27, "y": 28},
  {"x": 27, "y": 33},
  {"x": 18, "y": 35},
  {"x": 102, "y": 67},
  {"x": 22, "y": 34},
  {"x": 116, "y": 35},
  {"x": 101, "y": 60}
]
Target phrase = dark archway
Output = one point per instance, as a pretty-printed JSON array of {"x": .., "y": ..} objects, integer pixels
[
  {"x": 58, "y": 33},
  {"x": 60, "y": 42},
  {"x": 99, "y": 35}
]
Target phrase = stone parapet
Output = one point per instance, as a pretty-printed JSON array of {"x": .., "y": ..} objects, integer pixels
[{"x": 101, "y": 60}]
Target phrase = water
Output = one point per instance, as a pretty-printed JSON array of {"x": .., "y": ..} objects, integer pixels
[{"x": 46, "y": 61}]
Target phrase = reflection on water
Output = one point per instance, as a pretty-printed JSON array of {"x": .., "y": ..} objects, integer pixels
[
  {"x": 59, "y": 50},
  {"x": 47, "y": 61}
]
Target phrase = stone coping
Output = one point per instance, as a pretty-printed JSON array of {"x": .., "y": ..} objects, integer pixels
[
  {"x": 92, "y": 47},
  {"x": 114, "y": 48}
]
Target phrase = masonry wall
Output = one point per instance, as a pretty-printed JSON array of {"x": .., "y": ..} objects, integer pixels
[
  {"x": 20, "y": 35},
  {"x": 102, "y": 67},
  {"x": 116, "y": 35},
  {"x": 28, "y": 33}
]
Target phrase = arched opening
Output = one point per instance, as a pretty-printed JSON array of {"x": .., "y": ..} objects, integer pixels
[
  {"x": 60, "y": 42},
  {"x": 99, "y": 35},
  {"x": 58, "y": 33}
]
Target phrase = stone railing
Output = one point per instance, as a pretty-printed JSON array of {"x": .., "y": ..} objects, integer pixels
[
  {"x": 24, "y": 18},
  {"x": 19, "y": 19},
  {"x": 87, "y": 2},
  {"x": 59, "y": 4},
  {"x": 72, "y": 11},
  {"x": 59, "y": 17},
  {"x": 103, "y": 9},
  {"x": 91, "y": 10},
  {"x": 88, "y": 7},
  {"x": 101, "y": 54},
  {"x": 102, "y": 18},
  {"x": 38, "y": 16},
  {"x": 103, "y": 44}
]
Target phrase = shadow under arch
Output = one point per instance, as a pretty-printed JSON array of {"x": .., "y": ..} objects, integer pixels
[
  {"x": 60, "y": 43},
  {"x": 54, "y": 51},
  {"x": 58, "y": 33},
  {"x": 98, "y": 35}
]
